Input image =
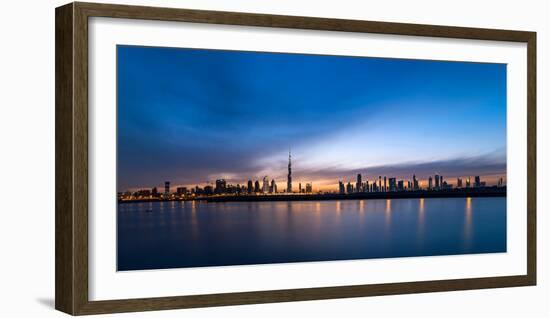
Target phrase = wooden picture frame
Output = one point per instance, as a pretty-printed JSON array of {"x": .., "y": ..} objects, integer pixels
[{"x": 71, "y": 221}]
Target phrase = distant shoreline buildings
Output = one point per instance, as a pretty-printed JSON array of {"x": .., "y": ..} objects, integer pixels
[{"x": 385, "y": 184}]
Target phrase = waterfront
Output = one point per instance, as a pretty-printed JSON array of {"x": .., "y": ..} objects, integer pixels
[{"x": 176, "y": 234}]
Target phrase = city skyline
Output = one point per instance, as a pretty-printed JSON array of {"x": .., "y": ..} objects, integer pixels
[
  {"x": 265, "y": 185},
  {"x": 340, "y": 115}
]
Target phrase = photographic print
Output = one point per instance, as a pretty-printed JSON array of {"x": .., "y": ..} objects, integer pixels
[{"x": 247, "y": 158}]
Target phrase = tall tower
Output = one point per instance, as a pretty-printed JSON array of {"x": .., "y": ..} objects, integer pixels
[
  {"x": 166, "y": 189},
  {"x": 265, "y": 187},
  {"x": 289, "y": 178}
]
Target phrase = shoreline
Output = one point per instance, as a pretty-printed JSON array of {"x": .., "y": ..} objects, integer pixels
[{"x": 457, "y": 193}]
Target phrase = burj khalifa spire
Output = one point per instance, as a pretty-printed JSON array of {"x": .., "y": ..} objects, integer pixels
[{"x": 289, "y": 177}]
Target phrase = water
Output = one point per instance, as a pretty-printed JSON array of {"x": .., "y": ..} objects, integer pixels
[{"x": 192, "y": 234}]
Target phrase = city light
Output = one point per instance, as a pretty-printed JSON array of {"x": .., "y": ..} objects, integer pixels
[{"x": 268, "y": 187}]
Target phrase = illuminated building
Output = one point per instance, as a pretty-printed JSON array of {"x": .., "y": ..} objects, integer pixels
[
  {"x": 309, "y": 188},
  {"x": 142, "y": 194},
  {"x": 265, "y": 186},
  {"x": 393, "y": 184},
  {"x": 181, "y": 191},
  {"x": 359, "y": 183}
]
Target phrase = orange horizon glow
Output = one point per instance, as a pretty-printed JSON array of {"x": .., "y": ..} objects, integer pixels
[{"x": 330, "y": 185}]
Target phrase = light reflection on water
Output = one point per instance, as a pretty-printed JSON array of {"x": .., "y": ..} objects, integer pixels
[
  {"x": 468, "y": 222},
  {"x": 188, "y": 234},
  {"x": 387, "y": 212}
]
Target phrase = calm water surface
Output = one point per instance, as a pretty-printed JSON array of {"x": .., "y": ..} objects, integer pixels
[{"x": 190, "y": 234}]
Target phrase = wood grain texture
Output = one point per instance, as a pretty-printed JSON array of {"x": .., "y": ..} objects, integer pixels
[
  {"x": 64, "y": 235},
  {"x": 80, "y": 146},
  {"x": 532, "y": 158},
  {"x": 72, "y": 157},
  {"x": 297, "y": 22},
  {"x": 165, "y": 303}
]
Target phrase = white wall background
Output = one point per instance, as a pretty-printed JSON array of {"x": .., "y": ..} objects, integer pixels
[{"x": 27, "y": 158}]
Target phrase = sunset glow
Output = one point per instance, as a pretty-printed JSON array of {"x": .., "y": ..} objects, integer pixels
[{"x": 193, "y": 116}]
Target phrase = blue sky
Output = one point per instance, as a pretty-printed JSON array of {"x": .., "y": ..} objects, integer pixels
[{"x": 191, "y": 116}]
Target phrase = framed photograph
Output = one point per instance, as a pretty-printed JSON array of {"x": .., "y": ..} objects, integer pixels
[{"x": 211, "y": 158}]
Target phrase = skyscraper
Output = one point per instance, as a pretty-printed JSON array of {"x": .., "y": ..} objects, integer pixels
[
  {"x": 221, "y": 186},
  {"x": 400, "y": 185},
  {"x": 437, "y": 184},
  {"x": 359, "y": 183},
  {"x": 166, "y": 188},
  {"x": 289, "y": 178},
  {"x": 385, "y": 188},
  {"x": 341, "y": 187},
  {"x": 273, "y": 188},
  {"x": 250, "y": 187},
  {"x": 393, "y": 184},
  {"x": 257, "y": 186},
  {"x": 459, "y": 182},
  {"x": 415, "y": 183},
  {"x": 309, "y": 187},
  {"x": 265, "y": 186},
  {"x": 477, "y": 181},
  {"x": 379, "y": 183},
  {"x": 430, "y": 183}
]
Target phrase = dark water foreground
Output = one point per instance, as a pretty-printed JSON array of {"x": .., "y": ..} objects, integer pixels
[{"x": 155, "y": 235}]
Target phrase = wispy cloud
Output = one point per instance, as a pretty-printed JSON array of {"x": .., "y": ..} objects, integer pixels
[
  {"x": 189, "y": 115},
  {"x": 489, "y": 164}
]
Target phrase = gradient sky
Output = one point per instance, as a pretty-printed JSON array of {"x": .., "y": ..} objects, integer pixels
[{"x": 192, "y": 116}]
